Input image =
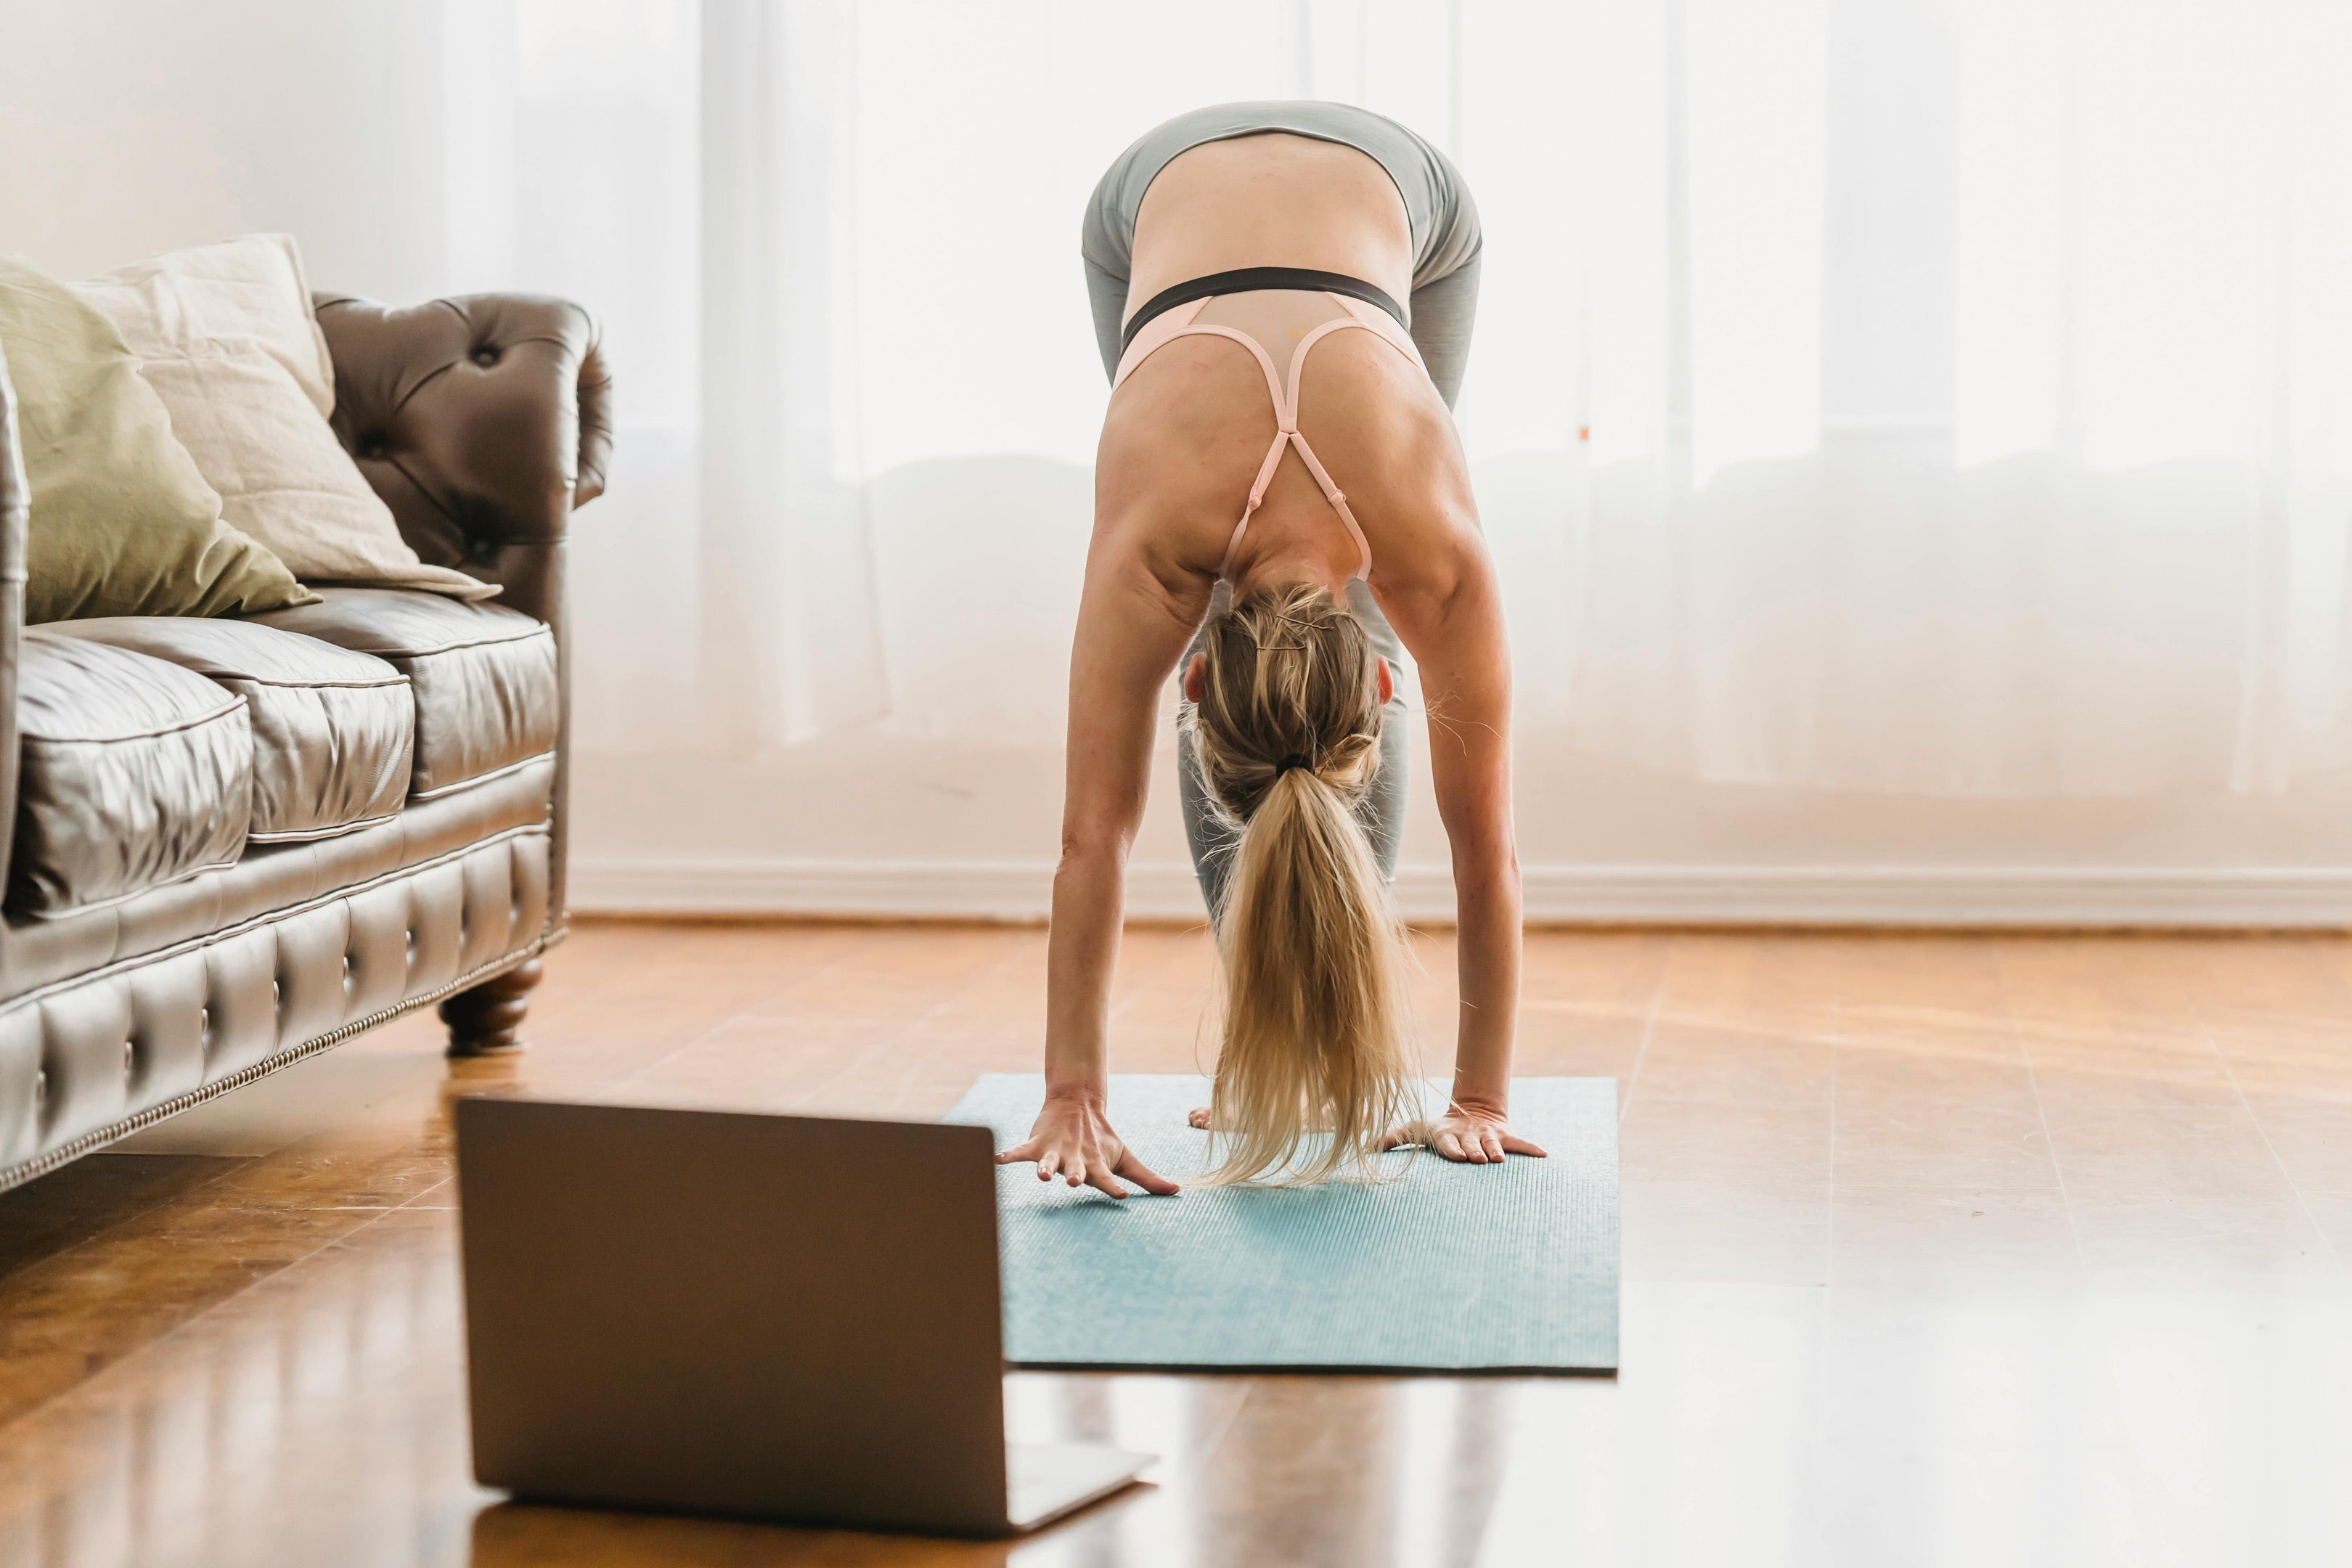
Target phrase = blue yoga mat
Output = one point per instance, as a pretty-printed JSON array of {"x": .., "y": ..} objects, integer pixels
[{"x": 1443, "y": 1267}]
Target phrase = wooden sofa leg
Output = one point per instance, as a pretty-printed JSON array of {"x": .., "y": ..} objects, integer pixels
[{"x": 486, "y": 1020}]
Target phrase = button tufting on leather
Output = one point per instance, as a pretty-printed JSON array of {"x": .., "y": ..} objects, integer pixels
[{"x": 497, "y": 462}]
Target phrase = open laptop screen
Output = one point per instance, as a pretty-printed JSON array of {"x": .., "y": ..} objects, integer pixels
[{"x": 785, "y": 1317}]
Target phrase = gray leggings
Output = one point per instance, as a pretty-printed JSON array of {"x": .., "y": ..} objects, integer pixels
[
  {"x": 1212, "y": 840},
  {"x": 1446, "y": 236}
]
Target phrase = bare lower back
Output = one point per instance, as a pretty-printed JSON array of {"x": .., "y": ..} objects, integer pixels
[{"x": 1274, "y": 200}]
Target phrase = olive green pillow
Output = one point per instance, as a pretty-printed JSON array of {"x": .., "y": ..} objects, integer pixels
[{"x": 122, "y": 522}]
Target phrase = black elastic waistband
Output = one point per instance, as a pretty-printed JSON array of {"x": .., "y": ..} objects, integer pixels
[{"x": 1249, "y": 277}]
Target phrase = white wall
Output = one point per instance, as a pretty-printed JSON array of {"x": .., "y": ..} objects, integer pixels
[
  {"x": 133, "y": 126},
  {"x": 127, "y": 127}
]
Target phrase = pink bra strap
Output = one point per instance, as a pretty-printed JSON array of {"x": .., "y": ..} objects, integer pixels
[
  {"x": 1338, "y": 504},
  {"x": 1331, "y": 491},
  {"x": 1256, "y": 498},
  {"x": 1180, "y": 323},
  {"x": 1382, "y": 326},
  {"x": 1151, "y": 340},
  {"x": 1156, "y": 334}
]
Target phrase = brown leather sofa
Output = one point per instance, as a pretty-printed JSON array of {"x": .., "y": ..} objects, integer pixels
[{"x": 238, "y": 842}]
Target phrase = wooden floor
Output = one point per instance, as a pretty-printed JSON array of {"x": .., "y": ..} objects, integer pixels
[{"x": 1938, "y": 1251}]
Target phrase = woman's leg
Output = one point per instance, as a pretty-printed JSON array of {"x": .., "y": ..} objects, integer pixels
[
  {"x": 1212, "y": 840},
  {"x": 1206, "y": 834},
  {"x": 1382, "y": 811},
  {"x": 1107, "y": 295},
  {"x": 1443, "y": 312}
]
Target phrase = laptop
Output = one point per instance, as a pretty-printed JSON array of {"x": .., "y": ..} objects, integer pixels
[{"x": 786, "y": 1317}]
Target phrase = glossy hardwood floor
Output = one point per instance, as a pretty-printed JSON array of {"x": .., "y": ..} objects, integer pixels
[{"x": 1938, "y": 1251}]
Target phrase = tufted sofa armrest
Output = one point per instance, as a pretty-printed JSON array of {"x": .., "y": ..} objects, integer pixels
[
  {"x": 16, "y": 513},
  {"x": 482, "y": 420}
]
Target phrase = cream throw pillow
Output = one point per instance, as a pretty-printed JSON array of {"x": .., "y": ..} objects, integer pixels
[
  {"x": 123, "y": 523},
  {"x": 228, "y": 340}
]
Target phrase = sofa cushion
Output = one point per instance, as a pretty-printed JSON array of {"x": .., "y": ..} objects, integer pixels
[
  {"x": 331, "y": 728},
  {"x": 483, "y": 676},
  {"x": 134, "y": 774},
  {"x": 225, "y": 335},
  {"x": 37, "y": 953},
  {"x": 122, "y": 522}
]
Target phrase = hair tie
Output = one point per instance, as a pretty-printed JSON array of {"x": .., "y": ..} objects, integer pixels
[{"x": 1293, "y": 761}]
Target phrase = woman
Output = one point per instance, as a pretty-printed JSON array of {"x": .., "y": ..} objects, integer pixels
[{"x": 1223, "y": 250}]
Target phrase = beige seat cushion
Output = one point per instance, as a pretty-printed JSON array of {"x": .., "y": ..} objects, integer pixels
[
  {"x": 134, "y": 774},
  {"x": 123, "y": 522},
  {"x": 332, "y": 729},
  {"x": 227, "y": 338},
  {"x": 483, "y": 676}
]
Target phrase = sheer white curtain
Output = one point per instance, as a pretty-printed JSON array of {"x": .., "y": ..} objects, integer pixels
[
  {"x": 1869, "y": 395},
  {"x": 1967, "y": 391}
]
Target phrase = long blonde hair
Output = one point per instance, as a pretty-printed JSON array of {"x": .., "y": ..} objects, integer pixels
[{"x": 1288, "y": 731}]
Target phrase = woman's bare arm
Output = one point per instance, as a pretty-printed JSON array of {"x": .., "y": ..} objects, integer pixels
[
  {"x": 1409, "y": 482},
  {"x": 1133, "y": 627},
  {"x": 1452, "y": 619}
]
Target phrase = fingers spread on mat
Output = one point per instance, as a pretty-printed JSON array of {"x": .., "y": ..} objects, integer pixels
[
  {"x": 1144, "y": 1176},
  {"x": 1515, "y": 1144}
]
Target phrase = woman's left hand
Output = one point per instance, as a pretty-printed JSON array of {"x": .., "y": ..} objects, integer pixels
[{"x": 1467, "y": 1134}]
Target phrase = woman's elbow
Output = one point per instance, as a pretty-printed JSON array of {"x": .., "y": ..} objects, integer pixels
[
  {"x": 1087, "y": 844},
  {"x": 1493, "y": 867}
]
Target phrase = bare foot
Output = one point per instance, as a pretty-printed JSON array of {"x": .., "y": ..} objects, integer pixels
[{"x": 1199, "y": 1118}]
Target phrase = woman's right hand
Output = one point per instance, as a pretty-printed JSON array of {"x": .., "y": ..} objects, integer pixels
[{"x": 1073, "y": 1139}]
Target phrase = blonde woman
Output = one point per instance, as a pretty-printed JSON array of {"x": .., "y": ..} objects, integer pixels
[{"x": 1278, "y": 485}]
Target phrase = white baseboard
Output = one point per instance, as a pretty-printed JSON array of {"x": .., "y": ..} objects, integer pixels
[{"x": 2281, "y": 896}]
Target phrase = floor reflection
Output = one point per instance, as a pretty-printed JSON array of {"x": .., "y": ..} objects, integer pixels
[
  {"x": 1290, "y": 1470},
  {"x": 521, "y": 1535},
  {"x": 317, "y": 1412},
  {"x": 2020, "y": 1258},
  {"x": 322, "y": 1414}
]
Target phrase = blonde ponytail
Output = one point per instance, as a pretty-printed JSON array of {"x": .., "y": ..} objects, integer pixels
[{"x": 1314, "y": 1038}]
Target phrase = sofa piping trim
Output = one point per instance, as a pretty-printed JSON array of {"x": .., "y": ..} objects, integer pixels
[
  {"x": 293, "y": 683},
  {"x": 236, "y": 702},
  {"x": 502, "y": 771},
  {"x": 536, "y": 630},
  {"x": 97, "y": 906},
  {"x": 271, "y": 916},
  {"x": 316, "y": 835}
]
